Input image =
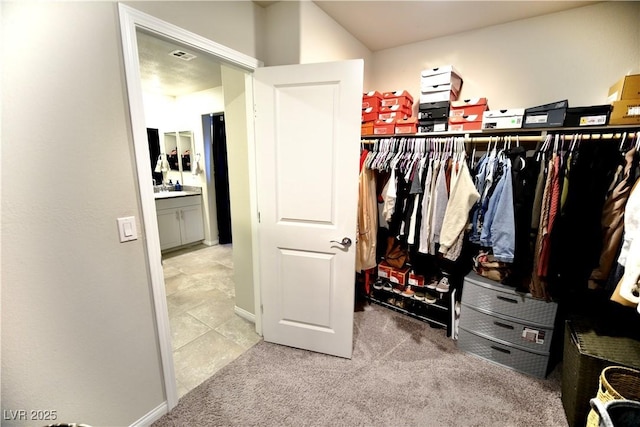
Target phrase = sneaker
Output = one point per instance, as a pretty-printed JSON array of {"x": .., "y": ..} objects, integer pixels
[
  {"x": 432, "y": 284},
  {"x": 408, "y": 292},
  {"x": 397, "y": 289},
  {"x": 378, "y": 284},
  {"x": 443, "y": 285},
  {"x": 430, "y": 299},
  {"x": 387, "y": 286},
  {"x": 419, "y": 296}
]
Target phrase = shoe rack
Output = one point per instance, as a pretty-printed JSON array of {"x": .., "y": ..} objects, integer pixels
[{"x": 428, "y": 303}]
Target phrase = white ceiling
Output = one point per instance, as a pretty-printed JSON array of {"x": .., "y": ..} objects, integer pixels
[{"x": 377, "y": 24}]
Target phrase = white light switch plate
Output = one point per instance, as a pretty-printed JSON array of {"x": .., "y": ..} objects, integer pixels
[{"x": 127, "y": 228}]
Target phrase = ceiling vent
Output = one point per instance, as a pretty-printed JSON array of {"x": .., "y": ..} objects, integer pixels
[{"x": 182, "y": 55}]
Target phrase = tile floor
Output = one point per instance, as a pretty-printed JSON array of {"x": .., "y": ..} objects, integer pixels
[{"x": 206, "y": 332}]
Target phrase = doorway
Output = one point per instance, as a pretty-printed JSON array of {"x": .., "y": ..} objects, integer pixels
[
  {"x": 214, "y": 133},
  {"x": 131, "y": 22}
]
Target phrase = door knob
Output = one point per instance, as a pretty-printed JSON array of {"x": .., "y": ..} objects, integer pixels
[{"x": 346, "y": 242}]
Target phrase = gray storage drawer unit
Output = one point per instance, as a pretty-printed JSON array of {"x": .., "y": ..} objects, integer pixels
[{"x": 506, "y": 327}]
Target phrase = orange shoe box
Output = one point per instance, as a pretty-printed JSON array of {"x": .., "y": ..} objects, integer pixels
[
  {"x": 370, "y": 114},
  {"x": 468, "y": 107},
  {"x": 464, "y": 123},
  {"x": 416, "y": 279},
  {"x": 384, "y": 127},
  {"x": 394, "y": 112},
  {"x": 399, "y": 97},
  {"x": 384, "y": 270},
  {"x": 371, "y": 99},
  {"x": 399, "y": 275},
  {"x": 408, "y": 125},
  {"x": 366, "y": 128}
]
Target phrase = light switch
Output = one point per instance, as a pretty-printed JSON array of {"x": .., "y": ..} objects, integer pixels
[{"x": 127, "y": 228}]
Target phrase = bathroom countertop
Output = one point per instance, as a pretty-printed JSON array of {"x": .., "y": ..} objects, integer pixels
[{"x": 186, "y": 191}]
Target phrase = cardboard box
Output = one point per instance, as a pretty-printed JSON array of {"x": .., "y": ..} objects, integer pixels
[
  {"x": 399, "y": 275},
  {"x": 597, "y": 115},
  {"x": 625, "y": 112},
  {"x": 408, "y": 125},
  {"x": 437, "y": 93},
  {"x": 503, "y": 119},
  {"x": 369, "y": 114},
  {"x": 627, "y": 87},
  {"x": 366, "y": 128},
  {"x": 465, "y": 123},
  {"x": 384, "y": 270},
  {"x": 436, "y": 125},
  {"x": 384, "y": 127},
  {"x": 394, "y": 112},
  {"x": 416, "y": 280},
  {"x": 399, "y": 97},
  {"x": 371, "y": 99},
  {"x": 441, "y": 75},
  {"x": 547, "y": 115},
  {"x": 468, "y": 107},
  {"x": 434, "y": 110}
]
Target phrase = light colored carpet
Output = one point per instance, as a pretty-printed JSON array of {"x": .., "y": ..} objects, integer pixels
[{"x": 403, "y": 373}]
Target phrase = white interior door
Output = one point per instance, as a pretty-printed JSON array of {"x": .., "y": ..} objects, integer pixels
[{"x": 307, "y": 150}]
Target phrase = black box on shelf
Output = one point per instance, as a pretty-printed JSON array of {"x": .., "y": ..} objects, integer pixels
[
  {"x": 435, "y": 125},
  {"x": 596, "y": 115},
  {"x": 546, "y": 116},
  {"x": 434, "y": 110}
]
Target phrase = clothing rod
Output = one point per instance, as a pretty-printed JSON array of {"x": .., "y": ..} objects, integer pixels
[{"x": 514, "y": 137}]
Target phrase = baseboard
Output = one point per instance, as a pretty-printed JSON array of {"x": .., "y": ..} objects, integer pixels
[
  {"x": 211, "y": 242},
  {"x": 152, "y": 416},
  {"x": 245, "y": 314}
]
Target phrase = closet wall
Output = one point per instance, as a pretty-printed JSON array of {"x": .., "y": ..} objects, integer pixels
[{"x": 574, "y": 55}]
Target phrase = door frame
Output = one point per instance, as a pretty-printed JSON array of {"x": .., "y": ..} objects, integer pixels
[{"x": 130, "y": 19}]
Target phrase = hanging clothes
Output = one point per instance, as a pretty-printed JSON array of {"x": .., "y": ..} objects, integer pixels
[
  {"x": 613, "y": 222},
  {"x": 462, "y": 198},
  {"x": 367, "y": 227},
  {"x": 629, "y": 286}
]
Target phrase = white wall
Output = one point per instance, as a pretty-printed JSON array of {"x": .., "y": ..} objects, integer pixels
[
  {"x": 574, "y": 55},
  {"x": 233, "y": 82},
  {"x": 234, "y": 24},
  {"x": 322, "y": 39},
  {"x": 78, "y": 327},
  {"x": 282, "y": 33}
]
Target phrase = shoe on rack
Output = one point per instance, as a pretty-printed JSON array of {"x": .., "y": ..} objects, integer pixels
[
  {"x": 408, "y": 292},
  {"x": 419, "y": 296},
  {"x": 432, "y": 284},
  {"x": 378, "y": 284},
  {"x": 398, "y": 288},
  {"x": 430, "y": 299},
  {"x": 387, "y": 286},
  {"x": 443, "y": 285}
]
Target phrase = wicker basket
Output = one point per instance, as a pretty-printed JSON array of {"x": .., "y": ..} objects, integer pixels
[{"x": 616, "y": 382}]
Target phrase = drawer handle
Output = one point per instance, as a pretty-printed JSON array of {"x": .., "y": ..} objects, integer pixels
[
  {"x": 502, "y": 350},
  {"x": 503, "y": 325},
  {"x": 511, "y": 300}
]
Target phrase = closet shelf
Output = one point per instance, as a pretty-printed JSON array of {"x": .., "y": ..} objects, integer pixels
[
  {"x": 407, "y": 312},
  {"x": 541, "y": 132}
]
